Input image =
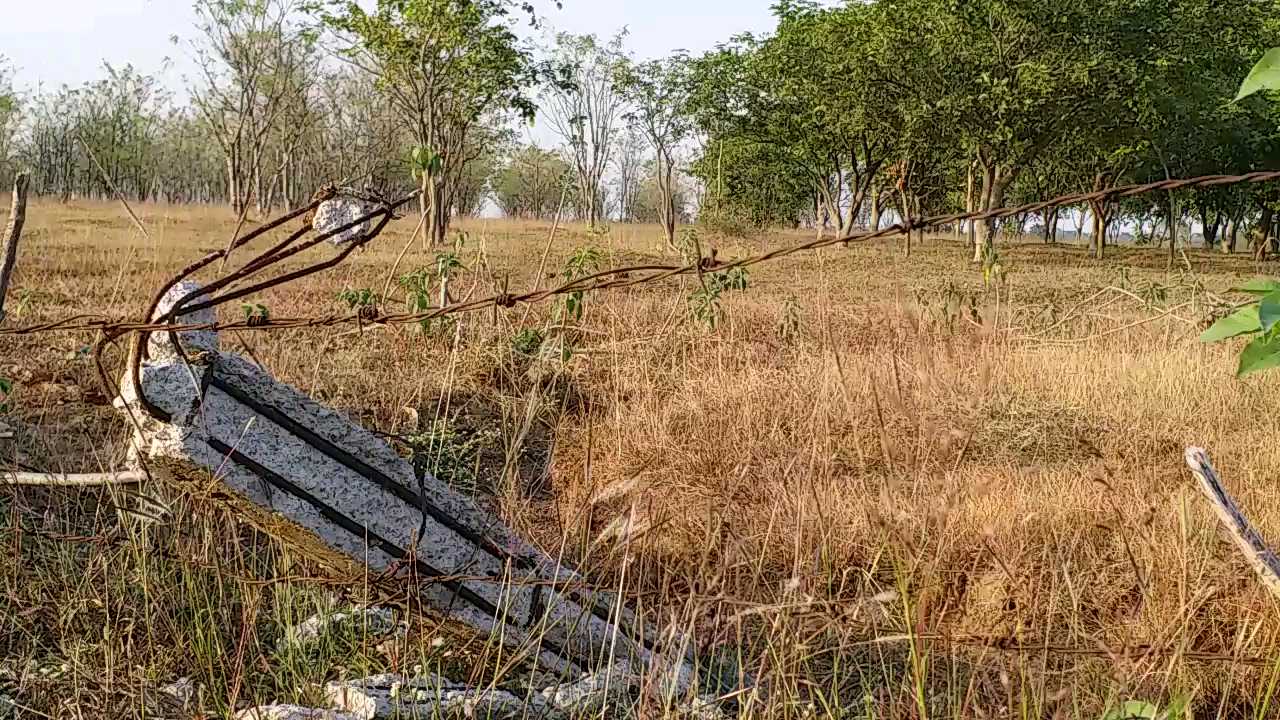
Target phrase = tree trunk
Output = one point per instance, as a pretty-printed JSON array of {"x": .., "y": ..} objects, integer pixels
[
  {"x": 875, "y": 208},
  {"x": 819, "y": 226},
  {"x": 259, "y": 199},
  {"x": 904, "y": 211},
  {"x": 1210, "y": 228},
  {"x": 1172, "y": 207},
  {"x": 970, "y": 206},
  {"x": 993, "y": 189},
  {"x": 438, "y": 222},
  {"x": 233, "y": 184},
  {"x": 425, "y": 208},
  {"x": 1263, "y": 234},
  {"x": 1099, "y": 229},
  {"x": 667, "y": 196},
  {"x": 984, "y": 202}
]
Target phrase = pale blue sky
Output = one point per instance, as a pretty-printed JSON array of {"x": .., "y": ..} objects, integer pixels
[{"x": 66, "y": 41}]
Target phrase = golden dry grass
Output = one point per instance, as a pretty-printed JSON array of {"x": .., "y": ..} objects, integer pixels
[{"x": 908, "y": 456}]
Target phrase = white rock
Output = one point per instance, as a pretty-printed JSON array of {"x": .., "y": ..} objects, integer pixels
[
  {"x": 290, "y": 712},
  {"x": 182, "y": 690},
  {"x": 593, "y": 693},
  {"x": 429, "y": 696},
  {"x": 337, "y": 212},
  {"x": 375, "y": 621}
]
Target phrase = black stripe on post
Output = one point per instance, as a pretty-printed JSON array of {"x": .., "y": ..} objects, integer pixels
[
  {"x": 368, "y": 472},
  {"x": 367, "y": 535}
]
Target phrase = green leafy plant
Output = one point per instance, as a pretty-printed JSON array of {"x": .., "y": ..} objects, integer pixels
[
  {"x": 255, "y": 314},
  {"x": 1265, "y": 75},
  {"x": 704, "y": 302},
  {"x": 426, "y": 283},
  {"x": 450, "y": 453},
  {"x": 359, "y": 298},
  {"x": 687, "y": 245},
  {"x": 736, "y": 278},
  {"x": 1260, "y": 319},
  {"x": 992, "y": 267},
  {"x": 423, "y": 161},
  {"x": 527, "y": 342},
  {"x": 583, "y": 262},
  {"x": 6, "y": 394}
]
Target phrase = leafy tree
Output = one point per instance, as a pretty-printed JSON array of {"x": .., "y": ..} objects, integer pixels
[
  {"x": 748, "y": 181},
  {"x": 1185, "y": 59},
  {"x": 532, "y": 183},
  {"x": 447, "y": 66},
  {"x": 658, "y": 92}
]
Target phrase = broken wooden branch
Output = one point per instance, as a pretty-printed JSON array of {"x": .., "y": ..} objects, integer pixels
[
  {"x": 12, "y": 234},
  {"x": 111, "y": 184},
  {"x": 1260, "y": 557}
]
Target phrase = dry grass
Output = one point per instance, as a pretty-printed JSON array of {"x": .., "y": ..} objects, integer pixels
[{"x": 910, "y": 456}]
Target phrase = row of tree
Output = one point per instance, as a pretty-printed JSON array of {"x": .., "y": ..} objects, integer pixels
[
  {"x": 839, "y": 118},
  {"x": 930, "y": 106}
]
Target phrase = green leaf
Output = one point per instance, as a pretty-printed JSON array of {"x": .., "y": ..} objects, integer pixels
[
  {"x": 1264, "y": 76},
  {"x": 1134, "y": 710},
  {"x": 1243, "y": 321},
  {"x": 1261, "y": 354},
  {"x": 1261, "y": 286},
  {"x": 1269, "y": 311}
]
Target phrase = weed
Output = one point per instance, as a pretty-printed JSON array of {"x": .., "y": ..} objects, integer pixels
[
  {"x": 255, "y": 314},
  {"x": 527, "y": 342}
]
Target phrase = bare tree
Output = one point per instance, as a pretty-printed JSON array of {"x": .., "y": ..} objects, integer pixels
[
  {"x": 9, "y": 117},
  {"x": 628, "y": 166},
  {"x": 658, "y": 92},
  {"x": 583, "y": 106},
  {"x": 256, "y": 67}
]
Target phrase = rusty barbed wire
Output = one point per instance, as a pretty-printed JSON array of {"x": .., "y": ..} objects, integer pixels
[{"x": 610, "y": 279}]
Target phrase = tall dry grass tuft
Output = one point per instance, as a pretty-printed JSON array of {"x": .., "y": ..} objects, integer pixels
[{"x": 880, "y": 488}]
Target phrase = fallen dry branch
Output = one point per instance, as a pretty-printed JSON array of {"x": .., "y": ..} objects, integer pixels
[
  {"x": 1260, "y": 557},
  {"x": 72, "y": 479}
]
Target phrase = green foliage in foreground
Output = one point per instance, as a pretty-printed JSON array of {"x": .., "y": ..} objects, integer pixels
[{"x": 1259, "y": 319}]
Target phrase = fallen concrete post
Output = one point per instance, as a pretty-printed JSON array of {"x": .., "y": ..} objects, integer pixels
[{"x": 339, "y": 494}]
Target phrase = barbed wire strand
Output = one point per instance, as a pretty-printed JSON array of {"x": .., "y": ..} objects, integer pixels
[{"x": 610, "y": 279}]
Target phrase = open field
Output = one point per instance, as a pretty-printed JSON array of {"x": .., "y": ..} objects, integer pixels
[{"x": 868, "y": 453}]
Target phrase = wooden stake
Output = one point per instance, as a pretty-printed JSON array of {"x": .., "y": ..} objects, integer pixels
[{"x": 12, "y": 234}]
